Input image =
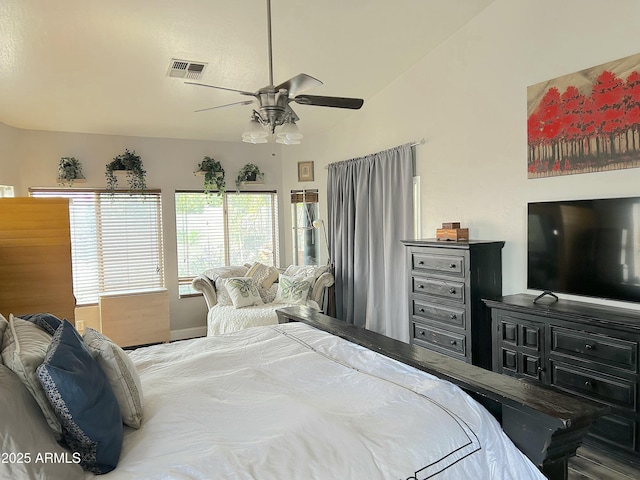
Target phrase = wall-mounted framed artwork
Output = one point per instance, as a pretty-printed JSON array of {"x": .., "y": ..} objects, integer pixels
[
  {"x": 305, "y": 171},
  {"x": 584, "y": 122}
]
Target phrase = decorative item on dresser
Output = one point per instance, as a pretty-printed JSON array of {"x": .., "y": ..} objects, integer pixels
[
  {"x": 582, "y": 348},
  {"x": 447, "y": 282}
]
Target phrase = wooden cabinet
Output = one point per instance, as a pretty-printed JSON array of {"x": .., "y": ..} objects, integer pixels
[
  {"x": 585, "y": 349},
  {"x": 447, "y": 283}
]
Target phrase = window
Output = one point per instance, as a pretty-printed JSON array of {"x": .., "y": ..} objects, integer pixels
[
  {"x": 231, "y": 229},
  {"x": 116, "y": 241},
  {"x": 304, "y": 210}
]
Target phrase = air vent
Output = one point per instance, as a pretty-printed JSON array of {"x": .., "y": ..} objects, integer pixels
[{"x": 186, "y": 69}]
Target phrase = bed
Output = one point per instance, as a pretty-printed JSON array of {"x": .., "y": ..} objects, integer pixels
[{"x": 289, "y": 401}]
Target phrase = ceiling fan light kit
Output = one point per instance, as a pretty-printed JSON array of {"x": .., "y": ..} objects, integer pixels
[{"x": 273, "y": 109}]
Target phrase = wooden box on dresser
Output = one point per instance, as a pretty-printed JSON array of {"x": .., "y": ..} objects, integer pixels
[
  {"x": 447, "y": 282},
  {"x": 582, "y": 348}
]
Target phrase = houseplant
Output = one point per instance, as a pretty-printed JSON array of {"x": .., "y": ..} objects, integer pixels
[
  {"x": 69, "y": 169},
  {"x": 249, "y": 173},
  {"x": 213, "y": 175},
  {"x": 132, "y": 164}
]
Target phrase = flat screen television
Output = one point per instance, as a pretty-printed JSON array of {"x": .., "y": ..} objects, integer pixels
[{"x": 585, "y": 247}]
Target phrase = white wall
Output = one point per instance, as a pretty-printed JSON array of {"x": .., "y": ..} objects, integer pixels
[
  {"x": 9, "y": 159},
  {"x": 468, "y": 99},
  {"x": 169, "y": 163}
]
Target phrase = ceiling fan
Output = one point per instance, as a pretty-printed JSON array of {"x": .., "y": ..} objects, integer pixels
[{"x": 273, "y": 109}]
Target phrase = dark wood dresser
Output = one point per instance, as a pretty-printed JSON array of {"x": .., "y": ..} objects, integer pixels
[
  {"x": 447, "y": 282},
  {"x": 582, "y": 348}
]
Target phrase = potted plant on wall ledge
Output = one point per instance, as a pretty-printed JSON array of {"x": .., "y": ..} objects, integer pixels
[
  {"x": 69, "y": 171},
  {"x": 130, "y": 164},
  {"x": 249, "y": 173},
  {"x": 213, "y": 175}
]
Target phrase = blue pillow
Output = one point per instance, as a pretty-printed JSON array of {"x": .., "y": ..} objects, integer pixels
[
  {"x": 83, "y": 400},
  {"x": 46, "y": 321}
]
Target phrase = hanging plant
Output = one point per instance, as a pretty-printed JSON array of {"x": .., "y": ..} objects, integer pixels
[
  {"x": 249, "y": 173},
  {"x": 132, "y": 164},
  {"x": 213, "y": 175},
  {"x": 69, "y": 169}
]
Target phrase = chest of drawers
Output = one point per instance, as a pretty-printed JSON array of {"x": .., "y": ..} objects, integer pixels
[
  {"x": 447, "y": 283},
  {"x": 585, "y": 349}
]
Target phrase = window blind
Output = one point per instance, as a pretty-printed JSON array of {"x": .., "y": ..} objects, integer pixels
[
  {"x": 231, "y": 229},
  {"x": 116, "y": 241}
]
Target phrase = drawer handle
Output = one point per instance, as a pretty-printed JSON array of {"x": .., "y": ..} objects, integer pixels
[
  {"x": 540, "y": 369},
  {"x": 452, "y": 265},
  {"x": 422, "y": 332},
  {"x": 420, "y": 262},
  {"x": 588, "y": 346},
  {"x": 453, "y": 342},
  {"x": 588, "y": 384},
  {"x": 421, "y": 310},
  {"x": 420, "y": 286},
  {"x": 453, "y": 316},
  {"x": 452, "y": 290}
]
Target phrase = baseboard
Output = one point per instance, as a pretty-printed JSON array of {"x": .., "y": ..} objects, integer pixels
[{"x": 185, "y": 333}]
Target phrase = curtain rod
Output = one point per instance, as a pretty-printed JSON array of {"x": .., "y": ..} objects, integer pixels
[{"x": 422, "y": 141}]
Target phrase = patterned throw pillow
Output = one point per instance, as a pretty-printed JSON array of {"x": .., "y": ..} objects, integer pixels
[
  {"x": 46, "y": 321},
  {"x": 218, "y": 276},
  {"x": 293, "y": 290},
  {"x": 243, "y": 291},
  {"x": 121, "y": 373},
  {"x": 24, "y": 347},
  {"x": 306, "y": 271},
  {"x": 83, "y": 400}
]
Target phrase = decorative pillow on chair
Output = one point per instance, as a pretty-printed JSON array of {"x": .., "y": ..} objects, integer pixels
[
  {"x": 24, "y": 347},
  {"x": 263, "y": 275},
  {"x": 46, "y": 321},
  {"x": 82, "y": 397},
  {"x": 306, "y": 271},
  {"x": 218, "y": 275},
  {"x": 121, "y": 373},
  {"x": 243, "y": 291},
  {"x": 293, "y": 290}
]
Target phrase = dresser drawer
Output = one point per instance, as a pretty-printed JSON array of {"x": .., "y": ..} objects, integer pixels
[
  {"x": 610, "y": 390},
  {"x": 439, "y": 287},
  {"x": 443, "y": 340},
  {"x": 596, "y": 348},
  {"x": 442, "y": 264},
  {"x": 439, "y": 313},
  {"x": 619, "y": 431}
]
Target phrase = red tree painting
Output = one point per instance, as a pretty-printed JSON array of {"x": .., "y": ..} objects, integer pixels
[{"x": 584, "y": 122}]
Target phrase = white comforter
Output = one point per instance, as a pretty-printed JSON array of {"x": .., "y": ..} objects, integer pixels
[{"x": 291, "y": 402}]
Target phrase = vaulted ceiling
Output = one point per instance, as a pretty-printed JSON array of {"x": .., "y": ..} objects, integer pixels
[{"x": 102, "y": 66}]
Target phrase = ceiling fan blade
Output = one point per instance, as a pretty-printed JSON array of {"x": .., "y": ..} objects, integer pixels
[
  {"x": 244, "y": 102},
  {"x": 223, "y": 88},
  {"x": 299, "y": 83},
  {"x": 337, "y": 102}
]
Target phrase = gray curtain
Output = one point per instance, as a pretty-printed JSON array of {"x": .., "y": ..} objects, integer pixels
[{"x": 370, "y": 203}]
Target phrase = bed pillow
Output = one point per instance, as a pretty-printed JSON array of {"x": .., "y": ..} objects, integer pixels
[
  {"x": 24, "y": 431},
  {"x": 82, "y": 397},
  {"x": 121, "y": 373},
  {"x": 24, "y": 347},
  {"x": 218, "y": 276},
  {"x": 293, "y": 290},
  {"x": 46, "y": 321},
  {"x": 3, "y": 326},
  {"x": 243, "y": 291},
  {"x": 263, "y": 275}
]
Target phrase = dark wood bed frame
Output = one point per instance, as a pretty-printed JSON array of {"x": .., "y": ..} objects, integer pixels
[{"x": 546, "y": 425}]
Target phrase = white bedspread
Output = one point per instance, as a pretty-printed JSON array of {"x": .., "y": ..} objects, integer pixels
[{"x": 291, "y": 402}]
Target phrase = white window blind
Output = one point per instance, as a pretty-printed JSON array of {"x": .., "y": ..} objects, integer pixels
[
  {"x": 231, "y": 229},
  {"x": 116, "y": 241}
]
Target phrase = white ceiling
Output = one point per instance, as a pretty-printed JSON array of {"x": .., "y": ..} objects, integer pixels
[{"x": 100, "y": 66}]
